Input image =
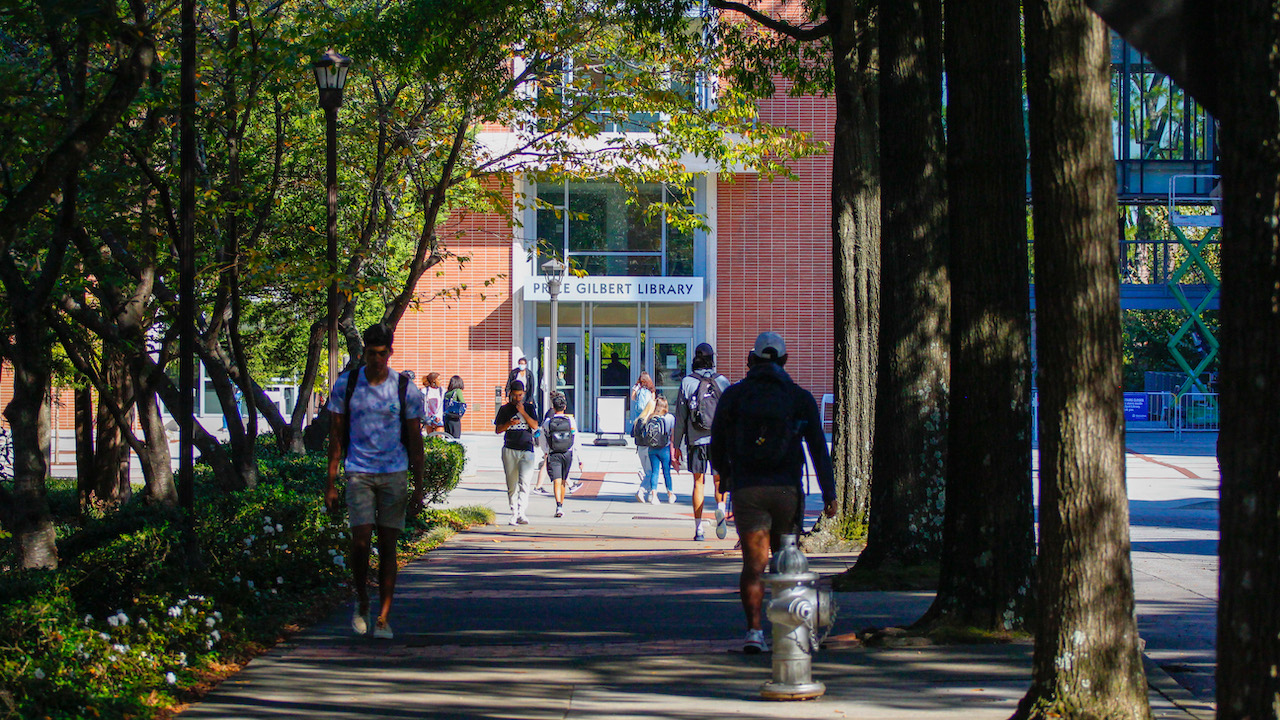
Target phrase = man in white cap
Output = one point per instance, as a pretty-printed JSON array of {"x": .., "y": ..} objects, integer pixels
[{"x": 756, "y": 445}]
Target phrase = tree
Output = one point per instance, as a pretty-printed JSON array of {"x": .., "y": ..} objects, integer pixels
[
  {"x": 909, "y": 447},
  {"x": 1086, "y": 663},
  {"x": 985, "y": 579},
  {"x": 82, "y": 109},
  {"x": 1248, "y": 643}
]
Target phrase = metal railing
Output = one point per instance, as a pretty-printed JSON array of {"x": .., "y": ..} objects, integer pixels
[{"x": 1158, "y": 412}]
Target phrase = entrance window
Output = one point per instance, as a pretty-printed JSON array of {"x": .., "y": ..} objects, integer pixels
[{"x": 603, "y": 229}]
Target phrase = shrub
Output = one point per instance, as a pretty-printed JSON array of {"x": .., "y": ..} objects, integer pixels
[{"x": 442, "y": 468}]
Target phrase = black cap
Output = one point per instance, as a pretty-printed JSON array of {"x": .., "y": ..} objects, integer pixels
[{"x": 705, "y": 350}]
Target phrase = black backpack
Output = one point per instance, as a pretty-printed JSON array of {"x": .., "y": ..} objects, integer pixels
[
  {"x": 654, "y": 432},
  {"x": 352, "y": 378},
  {"x": 559, "y": 433},
  {"x": 702, "y": 405},
  {"x": 765, "y": 423}
]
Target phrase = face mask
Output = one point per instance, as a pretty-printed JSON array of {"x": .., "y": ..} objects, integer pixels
[{"x": 523, "y": 366}]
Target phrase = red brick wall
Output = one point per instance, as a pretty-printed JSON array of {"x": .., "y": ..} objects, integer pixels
[
  {"x": 469, "y": 335},
  {"x": 774, "y": 251}
]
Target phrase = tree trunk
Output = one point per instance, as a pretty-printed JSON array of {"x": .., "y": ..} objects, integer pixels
[
  {"x": 111, "y": 453},
  {"x": 855, "y": 208},
  {"x": 84, "y": 445},
  {"x": 988, "y": 558},
  {"x": 157, "y": 462},
  {"x": 28, "y": 414},
  {"x": 1087, "y": 663},
  {"x": 1249, "y": 445},
  {"x": 909, "y": 450}
]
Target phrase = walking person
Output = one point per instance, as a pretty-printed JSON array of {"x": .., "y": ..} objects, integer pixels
[
  {"x": 656, "y": 435},
  {"x": 526, "y": 377},
  {"x": 377, "y": 428},
  {"x": 642, "y": 404},
  {"x": 454, "y": 407},
  {"x": 696, "y": 405},
  {"x": 433, "y": 402},
  {"x": 756, "y": 444},
  {"x": 515, "y": 421},
  {"x": 560, "y": 432}
]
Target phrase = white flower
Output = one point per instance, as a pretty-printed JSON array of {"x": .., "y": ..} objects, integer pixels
[
  {"x": 235, "y": 579},
  {"x": 104, "y": 636},
  {"x": 182, "y": 659},
  {"x": 170, "y": 678},
  {"x": 217, "y": 614},
  {"x": 142, "y": 622},
  {"x": 339, "y": 561},
  {"x": 208, "y": 644},
  {"x": 248, "y": 542},
  {"x": 215, "y": 635},
  {"x": 122, "y": 649},
  {"x": 332, "y": 552},
  {"x": 268, "y": 529},
  {"x": 250, "y": 584},
  {"x": 284, "y": 546},
  {"x": 279, "y": 580},
  {"x": 274, "y": 591},
  {"x": 113, "y": 621},
  {"x": 267, "y": 520},
  {"x": 39, "y": 674},
  {"x": 175, "y": 611},
  {"x": 210, "y": 622},
  {"x": 88, "y": 619}
]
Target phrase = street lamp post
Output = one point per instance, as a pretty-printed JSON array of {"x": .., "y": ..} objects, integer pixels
[
  {"x": 331, "y": 77},
  {"x": 554, "y": 270}
]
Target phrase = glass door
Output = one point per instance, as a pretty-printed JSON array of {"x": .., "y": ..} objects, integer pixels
[
  {"x": 669, "y": 356},
  {"x": 568, "y": 368},
  {"x": 613, "y": 369}
]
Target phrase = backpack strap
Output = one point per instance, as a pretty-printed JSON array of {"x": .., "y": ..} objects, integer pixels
[{"x": 353, "y": 377}]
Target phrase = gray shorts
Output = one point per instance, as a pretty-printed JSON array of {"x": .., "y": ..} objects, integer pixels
[
  {"x": 774, "y": 509},
  {"x": 378, "y": 499}
]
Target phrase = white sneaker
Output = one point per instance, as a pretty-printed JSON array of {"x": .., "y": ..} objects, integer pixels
[
  {"x": 514, "y": 520},
  {"x": 654, "y": 499},
  {"x": 522, "y": 520},
  {"x": 640, "y": 495},
  {"x": 359, "y": 623},
  {"x": 754, "y": 643},
  {"x": 671, "y": 498},
  {"x": 722, "y": 527},
  {"x": 382, "y": 630}
]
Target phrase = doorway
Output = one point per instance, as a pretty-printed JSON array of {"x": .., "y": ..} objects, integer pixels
[{"x": 668, "y": 354}]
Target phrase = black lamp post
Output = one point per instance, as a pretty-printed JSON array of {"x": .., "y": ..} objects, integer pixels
[
  {"x": 554, "y": 270},
  {"x": 331, "y": 77}
]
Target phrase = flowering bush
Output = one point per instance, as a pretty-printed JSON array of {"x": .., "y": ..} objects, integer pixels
[{"x": 127, "y": 625}]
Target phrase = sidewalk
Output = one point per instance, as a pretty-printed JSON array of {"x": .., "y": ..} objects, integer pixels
[{"x": 615, "y": 612}]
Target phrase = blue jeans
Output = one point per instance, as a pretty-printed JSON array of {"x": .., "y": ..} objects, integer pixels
[{"x": 659, "y": 458}]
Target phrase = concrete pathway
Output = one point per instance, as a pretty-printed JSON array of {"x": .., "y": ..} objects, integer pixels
[{"x": 615, "y": 612}]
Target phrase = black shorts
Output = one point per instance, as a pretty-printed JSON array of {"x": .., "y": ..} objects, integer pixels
[
  {"x": 699, "y": 460},
  {"x": 558, "y": 465},
  {"x": 775, "y": 509}
]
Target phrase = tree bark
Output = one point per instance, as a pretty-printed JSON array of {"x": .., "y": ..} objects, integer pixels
[
  {"x": 157, "y": 461},
  {"x": 111, "y": 453},
  {"x": 84, "y": 445},
  {"x": 909, "y": 450},
  {"x": 1087, "y": 662},
  {"x": 855, "y": 227},
  {"x": 988, "y": 557},
  {"x": 28, "y": 414},
  {"x": 1249, "y": 445}
]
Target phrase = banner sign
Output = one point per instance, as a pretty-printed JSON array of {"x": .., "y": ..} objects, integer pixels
[
  {"x": 1135, "y": 407},
  {"x": 618, "y": 289}
]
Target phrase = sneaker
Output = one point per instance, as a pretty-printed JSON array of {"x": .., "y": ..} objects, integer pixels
[
  {"x": 382, "y": 630},
  {"x": 359, "y": 623},
  {"x": 514, "y": 520},
  {"x": 754, "y": 642},
  {"x": 671, "y": 498},
  {"x": 559, "y": 511},
  {"x": 722, "y": 526},
  {"x": 575, "y": 487},
  {"x": 640, "y": 495},
  {"x": 699, "y": 534},
  {"x": 654, "y": 499},
  {"x": 522, "y": 520},
  {"x": 543, "y": 490}
]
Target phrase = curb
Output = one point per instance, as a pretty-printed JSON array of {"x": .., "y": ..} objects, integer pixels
[{"x": 1162, "y": 682}]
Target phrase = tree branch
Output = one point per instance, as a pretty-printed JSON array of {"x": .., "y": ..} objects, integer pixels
[{"x": 804, "y": 34}]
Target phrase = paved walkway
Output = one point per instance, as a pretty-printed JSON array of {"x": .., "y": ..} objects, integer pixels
[{"x": 615, "y": 612}]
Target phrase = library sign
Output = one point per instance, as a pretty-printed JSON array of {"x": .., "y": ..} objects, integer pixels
[{"x": 618, "y": 289}]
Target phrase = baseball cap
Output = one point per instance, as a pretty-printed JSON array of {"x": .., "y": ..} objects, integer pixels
[
  {"x": 705, "y": 350},
  {"x": 769, "y": 346}
]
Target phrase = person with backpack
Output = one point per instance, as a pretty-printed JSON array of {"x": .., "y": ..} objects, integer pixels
[
  {"x": 756, "y": 444},
  {"x": 454, "y": 407},
  {"x": 642, "y": 403},
  {"x": 377, "y": 427},
  {"x": 655, "y": 434},
  {"x": 560, "y": 432},
  {"x": 514, "y": 421},
  {"x": 696, "y": 405}
]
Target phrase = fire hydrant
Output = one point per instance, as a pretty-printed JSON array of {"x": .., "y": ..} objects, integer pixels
[{"x": 797, "y": 609}]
